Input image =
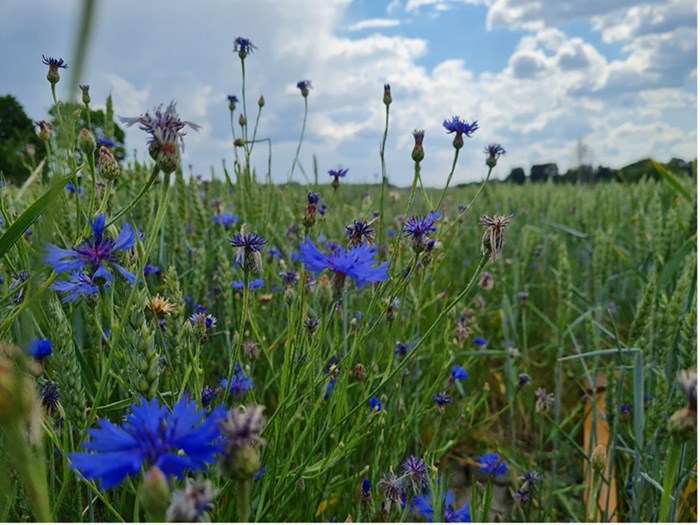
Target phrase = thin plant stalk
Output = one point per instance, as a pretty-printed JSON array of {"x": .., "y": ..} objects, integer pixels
[
  {"x": 301, "y": 138},
  {"x": 449, "y": 178}
]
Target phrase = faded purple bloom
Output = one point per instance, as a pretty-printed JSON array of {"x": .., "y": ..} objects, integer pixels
[
  {"x": 441, "y": 399},
  {"x": 248, "y": 247},
  {"x": 165, "y": 127}
]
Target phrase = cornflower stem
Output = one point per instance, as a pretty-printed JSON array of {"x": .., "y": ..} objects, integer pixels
[
  {"x": 93, "y": 176},
  {"x": 117, "y": 333},
  {"x": 255, "y": 131},
  {"x": 31, "y": 470},
  {"x": 383, "y": 163},
  {"x": 592, "y": 511},
  {"x": 471, "y": 203},
  {"x": 486, "y": 501},
  {"x": 449, "y": 178},
  {"x": 673, "y": 461},
  {"x": 149, "y": 183},
  {"x": 245, "y": 111},
  {"x": 87, "y": 117},
  {"x": 236, "y": 354},
  {"x": 301, "y": 138},
  {"x": 105, "y": 199},
  {"x": 233, "y": 134},
  {"x": 243, "y": 506}
]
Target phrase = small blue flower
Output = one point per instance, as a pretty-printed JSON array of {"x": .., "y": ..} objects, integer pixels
[
  {"x": 54, "y": 63},
  {"x": 366, "y": 489},
  {"x": 41, "y": 348},
  {"x": 312, "y": 197},
  {"x": 480, "y": 342},
  {"x": 491, "y": 464},
  {"x": 165, "y": 127},
  {"x": 441, "y": 399},
  {"x": 175, "y": 442},
  {"x": 208, "y": 395},
  {"x": 532, "y": 478},
  {"x": 94, "y": 254},
  {"x": 104, "y": 141},
  {"x": 329, "y": 388},
  {"x": 304, "y": 86},
  {"x": 71, "y": 189},
  {"x": 458, "y": 373},
  {"x": 252, "y": 285},
  {"x": 425, "y": 507},
  {"x": 240, "y": 383},
  {"x": 247, "y": 251},
  {"x": 418, "y": 229},
  {"x": 494, "y": 151},
  {"x": 289, "y": 279},
  {"x": 260, "y": 473},
  {"x": 232, "y": 101},
  {"x": 375, "y": 404},
  {"x": 243, "y": 46},
  {"x": 356, "y": 262},
  {"x": 80, "y": 285},
  {"x": 274, "y": 252},
  {"x": 458, "y": 126},
  {"x": 322, "y": 209},
  {"x": 523, "y": 379},
  {"x": 226, "y": 219},
  {"x": 625, "y": 409},
  {"x": 339, "y": 173},
  {"x": 402, "y": 349},
  {"x": 150, "y": 269}
]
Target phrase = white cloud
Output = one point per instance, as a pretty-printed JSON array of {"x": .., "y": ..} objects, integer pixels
[{"x": 374, "y": 23}]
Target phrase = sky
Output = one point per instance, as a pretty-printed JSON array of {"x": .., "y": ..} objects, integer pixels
[{"x": 537, "y": 75}]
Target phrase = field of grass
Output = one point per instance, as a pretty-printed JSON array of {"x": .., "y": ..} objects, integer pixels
[{"x": 408, "y": 370}]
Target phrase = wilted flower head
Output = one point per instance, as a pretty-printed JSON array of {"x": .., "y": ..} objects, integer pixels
[
  {"x": 304, "y": 86},
  {"x": 393, "y": 491},
  {"x": 494, "y": 151},
  {"x": 544, "y": 401},
  {"x": 54, "y": 65},
  {"x": 95, "y": 254},
  {"x": 243, "y": 427},
  {"x": 486, "y": 281},
  {"x": 494, "y": 236},
  {"x": 175, "y": 442},
  {"x": 248, "y": 247},
  {"x": 160, "y": 306},
  {"x": 243, "y": 47},
  {"x": 45, "y": 130},
  {"x": 192, "y": 504},
  {"x": 360, "y": 232}
]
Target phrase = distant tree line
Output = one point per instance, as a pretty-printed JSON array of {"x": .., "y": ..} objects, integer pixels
[{"x": 586, "y": 174}]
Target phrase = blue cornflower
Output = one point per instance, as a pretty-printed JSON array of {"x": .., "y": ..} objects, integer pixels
[
  {"x": 313, "y": 197},
  {"x": 260, "y": 473},
  {"x": 402, "y": 349},
  {"x": 232, "y": 101},
  {"x": 80, "y": 285},
  {"x": 366, "y": 490},
  {"x": 104, "y": 141},
  {"x": 491, "y": 464},
  {"x": 71, "y": 188},
  {"x": 226, "y": 219},
  {"x": 243, "y": 47},
  {"x": 151, "y": 269},
  {"x": 441, "y": 399},
  {"x": 165, "y": 127},
  {"x": 247, "y": 250},
  {"x": 339, "y": 173},
  {"x": 375, "y": 404},
  {"x": 323, "y": 209},
  {"x": 425, "y": 507},
  {"x": 460, "y": 127},
  {"x": 480, "y": 342},
  {"x": 494, "y": 151},
  {"x": 625, "y": 409},
  {"x": 240, "y": 383},
  {"x": 458, "y": 373},
  {"x": 175, "y": 442},
  {"x": 289, "y": 279},
  {"x": 94, "y": 254},
  {"x": 208, "y": 395},
  {"x": 207, "y": 321},
  {"x": 54, "y": 62},
  {"x": 329, "y": 388},
  {"x": 274, "y": 252},
  {"x": 532, "y": 478},
  {"x": 523, "y": 379},
  {"x": 41, "y": 348},
  {"x": 414, "y": 470},
  {"x": 418, "y": 229},
  {"x": 252, "y": 285},
  {"x": 304, "y": 86},
  {"x": 355, "y": 262}
]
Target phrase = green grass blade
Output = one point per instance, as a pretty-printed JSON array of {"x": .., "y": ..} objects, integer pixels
[
  {"x": 672, "y": 181},
  {"x": 31, "y": 214}
]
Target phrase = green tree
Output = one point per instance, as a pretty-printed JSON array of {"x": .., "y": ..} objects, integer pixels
[
  {"x": 516, "y": 176},
  {"x": 16, "y": 132}
]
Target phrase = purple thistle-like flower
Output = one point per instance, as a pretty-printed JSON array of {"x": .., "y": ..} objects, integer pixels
[
  {"x": 355, "y": 262},
  {"x": 424, "y": 505},
  {"x": 80, "y": 285},
  {"x": 248, "y": 247},
  {"x": 304, "y": 86},
  {"x": 208, "y": 395},
  {"x": 175, "y": 442},
  {"x": 414, "y": 470},
  {"x": 532, "y": 478},
  {"x": 243, "y": 47},
  {"x": 289, "y": 279},
  {"x": 94, "y": 254},
  {"x": 544, "y": 401},
  {"x": 418, "y": 229},
  {"x": 494, "y": 151},
  {"x": 339, "y": 173},
  {"x": 240, "y": 383},
  {"x": 165, "y": 127},
  {"x": 360, "y": 232},
  {"x": 441, "y": 399},
  {"x": 460, "y": 127},
  {"x": 41, "y": 348},
  {"x": 54, "y": 62},
  {"x": 491, "y": 464}
]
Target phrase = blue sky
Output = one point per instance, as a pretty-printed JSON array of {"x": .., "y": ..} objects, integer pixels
[{"x": 538, "y": 75}]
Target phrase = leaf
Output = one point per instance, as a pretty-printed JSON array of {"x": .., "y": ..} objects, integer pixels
[
  {"x": 674, "y": 263},
  {"x": 671, "y": 179},
  {"x": 31, "y": 214},
  {"x": 570, "y": 231}
]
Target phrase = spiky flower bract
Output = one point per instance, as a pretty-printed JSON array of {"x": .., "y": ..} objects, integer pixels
[
  {"x": 94, "y": 255},
  {"x": 185, "y": 439},
  {"x": 418, "y": 228},
  {"x": 494, "y": 236},
  {"x": 355, "y": 262}
]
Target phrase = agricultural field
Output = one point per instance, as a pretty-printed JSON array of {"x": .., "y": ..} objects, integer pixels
[{"x": 177, "y": 348}]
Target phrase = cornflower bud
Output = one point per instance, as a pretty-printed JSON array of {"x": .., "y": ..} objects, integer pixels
[
  {"x": 86, "y": 93},
  {"x": 54, "y": 65},
  {"x": 261, "y": 101},
  {"x": 107, "y": 165},
  {"x": 418, "y": 153},
  {"x": 387, "y": 95},
  {"x": 86, "y": 142}
]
